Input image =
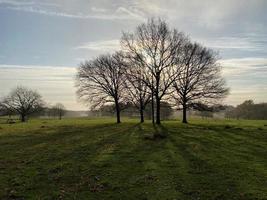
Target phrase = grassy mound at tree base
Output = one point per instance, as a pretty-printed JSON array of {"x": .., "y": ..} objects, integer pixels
[{"x": 98, "y": 159}]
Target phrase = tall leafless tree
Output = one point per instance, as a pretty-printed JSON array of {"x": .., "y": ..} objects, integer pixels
[
  {"x": 23, "y": 101},
  {"x": 156, "y": 48},
  {"x": 199, "y": 81},
  {"x": 102, "y": 80},
  {"x": 137, "y": 92}
]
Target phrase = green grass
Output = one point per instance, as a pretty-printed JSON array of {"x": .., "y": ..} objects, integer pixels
[{"x": 97, "y": 159}]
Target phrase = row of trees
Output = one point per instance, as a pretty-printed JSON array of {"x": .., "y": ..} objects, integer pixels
[
  {"x": 155, "y": 64},
  {"x": 248, "y": 110},
  {"x": 24, "y": 102}
]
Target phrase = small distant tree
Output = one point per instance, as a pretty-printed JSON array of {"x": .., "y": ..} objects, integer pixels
[
  {"x": 59, "y": 110},
  {"x": 199, "y": 80},
  {"x": 101, "y": 81},
  {"x": 23, "y": 101}
]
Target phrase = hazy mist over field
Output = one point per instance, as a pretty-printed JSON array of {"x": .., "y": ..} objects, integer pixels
[{"x": 42, "y": 42}]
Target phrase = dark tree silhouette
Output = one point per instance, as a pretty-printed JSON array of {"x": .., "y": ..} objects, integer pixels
[
  {"x": 199, "y": 80},
  {"x": 156, "y": 48},
  {"x": 23, "y": 101},
  {"x": 137, "y": 92},
  {"x": 102, "y": 80}
]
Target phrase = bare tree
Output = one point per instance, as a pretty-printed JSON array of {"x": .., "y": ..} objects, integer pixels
[
  {"x": 102, "y": 80},
  {"x": 59, "y": 110},
  {"x": 200, "y": 80},
  {"x": 23, "y": 101},
  {"x": 156, "y": 48},
  {"x": 138, "y": 92}
]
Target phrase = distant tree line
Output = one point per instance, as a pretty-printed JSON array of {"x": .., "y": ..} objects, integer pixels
[
  {"x": 130, "y": 110},
  {"x": 155, "y": 64},
  {"x": 248, "y": 110},
  {"x": 56, "y": 111}
]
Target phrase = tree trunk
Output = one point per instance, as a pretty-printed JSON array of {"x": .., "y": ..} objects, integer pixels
[
  {"x": 141, "y": 114},
  {"x": 118, "y": 111},
  {"x": 158, "y": 110},
  {"x": 152, "y": 108},
  {"x": 184, "y": 114},
  {"x": 22, "y": 118}
]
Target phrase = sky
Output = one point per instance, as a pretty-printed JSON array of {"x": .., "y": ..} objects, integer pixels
[{"x": 42, "y": 42}]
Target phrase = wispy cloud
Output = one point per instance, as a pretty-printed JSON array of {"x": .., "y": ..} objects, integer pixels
[
  {"x": 246, "y": 78},
  {"x": 97, "y": 9},
  {"x": 53, "y": 9},
  {"x": 208, "y": 13},
  {"x": 120, "y": 14},
  {"x": 104, "y": 45},
  {"x": 244, "y": 43},
  {"x": 232, "y": 27},
  {"x": 244, "y": 66},
  {"x": 35, "y": 72},
  {"x": 26, "y": 3}
]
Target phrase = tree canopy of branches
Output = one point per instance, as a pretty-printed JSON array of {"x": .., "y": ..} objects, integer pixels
[
  {"x": 23, "y": 101},
  {"x": 156, "y": 64},
  {"x": 156, "y": 49},
  {"x": 102, "y": 80},
  {"x": 199, "y": 81}
]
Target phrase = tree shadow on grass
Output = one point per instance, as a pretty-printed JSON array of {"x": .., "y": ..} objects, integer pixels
[
  {"x": 215, "y": 167},
  {"x": 158, "y": 132},
  {"x": 114, "y": 162},
  {"x": 59, "y": 156}
]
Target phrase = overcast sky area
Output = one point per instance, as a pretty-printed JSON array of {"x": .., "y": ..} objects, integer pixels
[{"x": 43, "y": 41}]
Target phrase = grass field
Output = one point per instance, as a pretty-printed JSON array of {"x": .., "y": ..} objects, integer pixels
[{"x": 98, "y": 159}]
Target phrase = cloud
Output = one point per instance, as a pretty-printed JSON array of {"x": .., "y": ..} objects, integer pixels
[
  {"x": 246, "y": 78},
  {"x": 104, "y": 46},
  {"x": 27, "y": 3},
  {"x": 101, "y": 10},
  {"x": 209, "y": 13},
  {"x": 120, "y": 14},
  {"x": 49, "y": 12},
  {"x": 53, "y": 9},
  {"x": 129, "y": 13},
  {"x": 233, "y": 27},
  {"x": 36, "y": 73},
  {"x": 248, "y": 43},
  {"x": 242, "y": 90},
  {"x": 244, "y": 66}
]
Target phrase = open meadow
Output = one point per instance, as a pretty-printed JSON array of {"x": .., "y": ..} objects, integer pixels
[{"x": 98, "y": 159}]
